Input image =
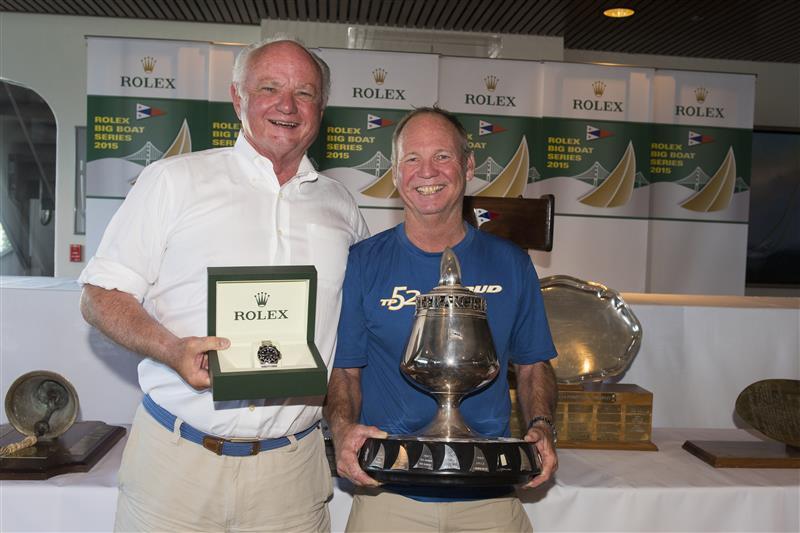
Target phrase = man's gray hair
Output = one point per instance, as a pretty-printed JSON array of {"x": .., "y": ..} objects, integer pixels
[
  {"x": 243, "y": 59},
  {"x": 463, "y": 140}
]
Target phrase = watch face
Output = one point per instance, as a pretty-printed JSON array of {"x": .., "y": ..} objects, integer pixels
[{"x": 268, "y": 354}]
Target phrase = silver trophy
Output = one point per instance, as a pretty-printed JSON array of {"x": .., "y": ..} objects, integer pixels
[{"x": 449, "y": 354}]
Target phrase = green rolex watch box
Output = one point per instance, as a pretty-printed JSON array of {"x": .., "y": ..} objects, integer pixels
[{"x": 259, "y": 307}]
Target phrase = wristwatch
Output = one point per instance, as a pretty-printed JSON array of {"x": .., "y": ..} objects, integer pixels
[
  {"x": 268, "y": 354},
  {"x": 553, "y": 431}
]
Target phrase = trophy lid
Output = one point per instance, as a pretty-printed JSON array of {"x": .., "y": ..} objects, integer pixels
[{"x": 450, "y": 294}]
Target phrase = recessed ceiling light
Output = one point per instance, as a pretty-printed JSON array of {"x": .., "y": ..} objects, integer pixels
[{"x": 618, "y": 12}]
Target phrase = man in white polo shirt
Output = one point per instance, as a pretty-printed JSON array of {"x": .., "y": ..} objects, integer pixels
[{"x": 258, "y": 203}]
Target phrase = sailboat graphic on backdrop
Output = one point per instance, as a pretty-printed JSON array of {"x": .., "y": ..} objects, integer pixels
[
  {"x": 383, "y": 187},
  {"x": 717, "y": 193},
  {"x": 617, "y": 188},
  {"x": 182, "y": 143},
  {"x": 511, "y": 181}
]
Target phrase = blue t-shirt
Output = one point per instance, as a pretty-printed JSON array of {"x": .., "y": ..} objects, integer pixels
[{"x": 384, "y": 275}]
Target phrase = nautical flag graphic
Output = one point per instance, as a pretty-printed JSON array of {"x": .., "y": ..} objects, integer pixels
[
  {"x": 487, "y": 128},
  {"x": 698, "y": 138},
  {"x": 592, "y": 133},
  {"x": 483, "y": 216},
  {"x": 145, "y": 111},
  {"x": 374, "y": 121}
]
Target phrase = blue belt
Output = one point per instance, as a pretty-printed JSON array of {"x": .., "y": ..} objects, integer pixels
[{"x": 220, "y": 446}]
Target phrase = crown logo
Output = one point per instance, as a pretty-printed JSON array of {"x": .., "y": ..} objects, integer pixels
[
  {"x": 491, "y": 82},
  {"x": 701, "y": 93},
  {"x": 379, "y": 75},
  {"x": 599, "y": 88},
  {"x": 149, "y": 64},
  {"x": 261, "y": 298}
]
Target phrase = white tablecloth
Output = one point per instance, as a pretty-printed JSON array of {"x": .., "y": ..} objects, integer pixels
[{"x": 668, "y": 490}]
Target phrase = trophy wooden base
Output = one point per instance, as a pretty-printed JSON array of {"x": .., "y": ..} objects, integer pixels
[
  {"x": 600, "y": 416},
  {"x": 476, "y": 463},
  {"x": 77, "y": 450},
  {"x": 744, "y": 454}
]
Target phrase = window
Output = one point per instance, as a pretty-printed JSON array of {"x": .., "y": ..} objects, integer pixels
[{"x": 27, "y": 182}]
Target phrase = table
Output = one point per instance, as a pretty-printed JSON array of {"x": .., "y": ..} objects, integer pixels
[{"x": 668, "y": 490}]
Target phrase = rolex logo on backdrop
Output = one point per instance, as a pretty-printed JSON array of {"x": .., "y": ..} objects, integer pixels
[
  {"x": 147, "y": 81},
  {"x": 701, "y": 94},
  {"x": 599, "y": 88},
  {"x": 148, "y": 64},
  {"x": 598, "y": 103},
  {"x": 379, "y": 77},
  {"x": 491, "y": 82},
  {"x": 261, "y": 299}
]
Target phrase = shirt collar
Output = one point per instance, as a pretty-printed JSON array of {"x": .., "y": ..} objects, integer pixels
[{"x": 305, "y": 171}]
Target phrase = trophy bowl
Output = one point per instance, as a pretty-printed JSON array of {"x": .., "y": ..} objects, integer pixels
[{"x": 450, "y": 353}]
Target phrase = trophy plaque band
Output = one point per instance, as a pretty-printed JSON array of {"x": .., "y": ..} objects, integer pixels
[{"x": 460, "y": 462}]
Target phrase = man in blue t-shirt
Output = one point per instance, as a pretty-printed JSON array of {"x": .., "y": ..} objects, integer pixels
[{"x": 369, "y": 397}]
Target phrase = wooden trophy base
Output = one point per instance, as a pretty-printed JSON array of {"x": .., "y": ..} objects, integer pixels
[
  {"x": 77, "y": 450},
  {"x": 600, "y": 416},
  {"x": 744, "y": 454}
]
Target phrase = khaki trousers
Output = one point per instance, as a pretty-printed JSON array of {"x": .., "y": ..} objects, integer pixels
[
  {"x": 388, "y": 512},
  {"x": 167, "y": 483}
]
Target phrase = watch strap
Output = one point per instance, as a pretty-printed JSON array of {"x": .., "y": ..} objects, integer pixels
[{"x": 553, "y": 431}]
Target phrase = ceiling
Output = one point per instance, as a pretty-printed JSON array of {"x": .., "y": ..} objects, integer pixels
[{"x": 755, "y": 30}]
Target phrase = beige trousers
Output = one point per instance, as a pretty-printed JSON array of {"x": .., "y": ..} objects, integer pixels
[
  {"x": 167, "y": 483},
  {"x": 389, "y": 512}
]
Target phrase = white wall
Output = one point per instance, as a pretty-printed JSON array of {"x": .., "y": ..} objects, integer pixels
[
  {"x": 777, "y": 84},
  {"x": 48, "y": 54}
]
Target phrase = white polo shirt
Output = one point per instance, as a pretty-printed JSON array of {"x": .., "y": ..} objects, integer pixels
[{"x": 224, "y": 207}]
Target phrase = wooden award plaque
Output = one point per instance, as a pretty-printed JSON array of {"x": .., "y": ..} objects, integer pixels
[
  {"x": 77, "y": 450},
  {"x": 598, "y": 416},
  {"x": 771, "y": 406},
  {"x": 605, "y": 417}
]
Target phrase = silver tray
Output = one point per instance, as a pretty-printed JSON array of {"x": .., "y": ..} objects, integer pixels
[{"x": 594, "y": 330}]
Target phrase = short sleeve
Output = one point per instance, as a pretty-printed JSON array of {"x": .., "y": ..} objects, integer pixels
[
  {"x": 531, "y": 341},
  {"x": 351, "y": 338},
  {"x": 130, "y": 252}
]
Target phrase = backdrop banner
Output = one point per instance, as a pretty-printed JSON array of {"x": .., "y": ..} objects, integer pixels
[
  {"x": 700, "y": 174},
  {"x": 497, "y": 101},
  {"x": 595, "y": 135},
  {"x": 370, "y": 93},
  {"x": 650, "y": 168},
  {"x": 148, "y": 100}
]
